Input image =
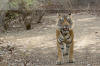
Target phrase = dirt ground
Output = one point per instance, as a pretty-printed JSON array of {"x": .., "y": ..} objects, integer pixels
[{"x": 40, "y": 43}]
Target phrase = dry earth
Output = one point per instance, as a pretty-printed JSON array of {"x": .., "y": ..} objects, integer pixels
[{"x": 39, "y": 44}]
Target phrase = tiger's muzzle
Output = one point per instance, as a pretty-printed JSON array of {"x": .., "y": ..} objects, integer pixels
[{"x": 66, "y": 28}]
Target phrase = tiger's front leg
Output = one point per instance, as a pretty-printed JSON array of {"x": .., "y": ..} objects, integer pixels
[
  {"x": 67, "y": 50},
  {"x": 60, "y": 48},
  {"x": 71, "y": 57}
]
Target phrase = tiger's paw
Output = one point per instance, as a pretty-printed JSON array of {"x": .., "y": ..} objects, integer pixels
[
  {"x": 71, "y": 61},
  {"x": 59, "y": 62}
]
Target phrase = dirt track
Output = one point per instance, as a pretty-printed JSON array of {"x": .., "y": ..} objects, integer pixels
[{"x": 41, "y": 41}]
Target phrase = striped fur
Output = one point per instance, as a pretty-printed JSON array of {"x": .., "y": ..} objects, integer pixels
[{"x": 64, "y": 36}]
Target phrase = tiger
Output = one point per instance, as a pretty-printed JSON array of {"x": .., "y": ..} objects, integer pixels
[{"x": 65, "y": 38}]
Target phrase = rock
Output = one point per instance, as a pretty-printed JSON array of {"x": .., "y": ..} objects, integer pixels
[
  {"x": 45, "y": 28},
  {"x": 1, "y": 58},
  {"x": 96, "y": 32}
]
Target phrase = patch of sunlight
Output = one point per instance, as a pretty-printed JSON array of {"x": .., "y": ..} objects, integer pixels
[
  {"x": 94, "y": 50},
  {"x": 96, "y": 27},
  {"x": 87, "y": 19},
  {"x": 84, "y": 41},
  {"x": 37, "y": 41}
]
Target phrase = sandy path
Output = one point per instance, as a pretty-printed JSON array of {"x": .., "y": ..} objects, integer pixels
[{"x": 42, "y": 42}]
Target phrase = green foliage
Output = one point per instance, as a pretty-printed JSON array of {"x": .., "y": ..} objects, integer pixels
[
  {"x": 29, "y": 2},
  {"x": 14, "y": 4}
]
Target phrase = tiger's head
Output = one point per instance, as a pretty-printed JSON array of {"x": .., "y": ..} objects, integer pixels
[{"x": 63, "y": 22}]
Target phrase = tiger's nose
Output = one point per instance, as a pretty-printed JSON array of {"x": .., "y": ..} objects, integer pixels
[{"x": 65, "y": 26}]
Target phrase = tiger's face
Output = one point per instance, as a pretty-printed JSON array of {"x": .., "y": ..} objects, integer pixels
[{"x": 63, "y": 23}]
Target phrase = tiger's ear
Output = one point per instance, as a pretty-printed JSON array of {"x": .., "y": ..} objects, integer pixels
[
  {"x": 58, "y": 15},
  {"x": 69, "y": 14}
]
